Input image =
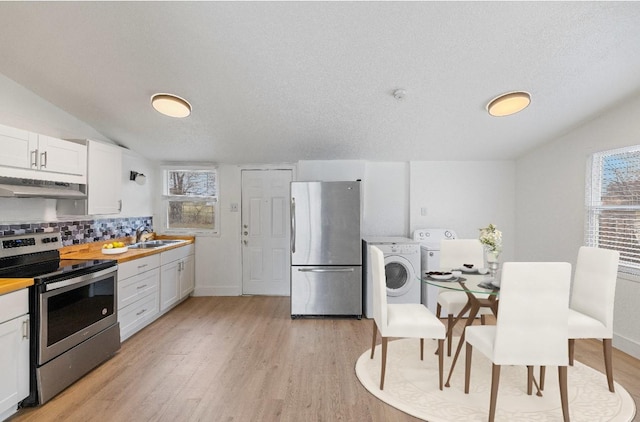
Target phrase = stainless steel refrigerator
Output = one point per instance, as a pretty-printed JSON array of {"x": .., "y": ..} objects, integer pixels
[{"x": 326, "y": 255}]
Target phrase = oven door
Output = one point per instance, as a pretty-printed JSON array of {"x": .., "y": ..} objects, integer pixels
[{"x": 74, "y": 310}]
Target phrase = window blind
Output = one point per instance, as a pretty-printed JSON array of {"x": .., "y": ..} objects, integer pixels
[{"x": 613, "y": 204}]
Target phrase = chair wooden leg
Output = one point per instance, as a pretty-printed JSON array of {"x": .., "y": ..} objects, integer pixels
[
  {"x": 449, "y": 333},
  {"x": 373, "y": 343},
  {"x": 384, "y": 361},
  {"x": 495, "y": 381},
  {"x": 441, "y": 363},
  {"x": 564, "y": 395},
  {"x": 543, "y": 370},
  {"x": 438, "y": 309},
  {"x": 483, "y": 320},
  {"x": 608, "y": 362},
  {"x": 467, "y": 367},
  {"x": 421, "y": 349},
  {"x": 572, "y": 346},
  {"x": 529, "y": 379}
]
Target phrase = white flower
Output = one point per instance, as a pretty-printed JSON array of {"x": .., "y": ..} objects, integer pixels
[{"x": 491, "y": 238}]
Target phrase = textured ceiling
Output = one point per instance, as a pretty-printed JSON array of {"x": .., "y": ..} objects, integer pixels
[{"x": 274, "y": 82}]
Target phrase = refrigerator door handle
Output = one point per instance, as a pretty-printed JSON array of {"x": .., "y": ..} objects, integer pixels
[
  {"x": 326, "y": 270},
  {"x": 293, "y": 225}
]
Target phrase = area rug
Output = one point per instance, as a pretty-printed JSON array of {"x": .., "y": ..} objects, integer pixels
[{"x": 411, "y": 385}]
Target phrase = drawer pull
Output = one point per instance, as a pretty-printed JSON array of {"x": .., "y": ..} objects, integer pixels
[
  {"x": 142, "y": 266},
  {"x": 141, "y": 287},
  {"x": 141, "y": 312},
  {"x": 25, "y": 329}
]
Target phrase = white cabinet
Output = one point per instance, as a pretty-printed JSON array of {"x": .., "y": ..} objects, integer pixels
[
  {"x": 151, "y": 286},
  {"x": 138, "y": 289},
  {"x": 104, "y": 183},
  {"x": 14, "y": 351},
  {"x": 187, "y": 276},
  {"x": 16, "y": 146},
  {"x": 31, "y": 156},
  {"x": 59, "y": 156},
  {"x": 177, "y": 275}
]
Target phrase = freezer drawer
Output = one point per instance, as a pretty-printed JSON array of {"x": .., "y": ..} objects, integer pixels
[{"x": 326, "y": 291}]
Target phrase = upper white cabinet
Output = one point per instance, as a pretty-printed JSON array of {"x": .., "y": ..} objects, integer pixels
[
  {"x": 104, "y": 182},
  {"x": 28, "y": 155},
  {"x": 16, "y": 146},
  {"x": 59, "y": 156}
]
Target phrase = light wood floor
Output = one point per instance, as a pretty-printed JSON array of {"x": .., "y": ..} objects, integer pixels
[{"x": 244, "y": 359}]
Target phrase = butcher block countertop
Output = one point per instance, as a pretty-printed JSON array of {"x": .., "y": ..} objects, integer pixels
[
  {"x": 8, "y": 285},
  {"x": 94, "y": 250}
]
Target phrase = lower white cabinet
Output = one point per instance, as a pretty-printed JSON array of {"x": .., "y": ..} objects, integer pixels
[
  {"x": 14, "y": 351},
  {"x": 137, "y": 302},
  {"x": 150, "y": 286},
  {"x": 138, "y": 290},
  {"x": 177, "y": 279}
]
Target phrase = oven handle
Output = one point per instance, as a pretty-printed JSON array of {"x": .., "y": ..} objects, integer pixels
[{"x": 78, "y": 280}]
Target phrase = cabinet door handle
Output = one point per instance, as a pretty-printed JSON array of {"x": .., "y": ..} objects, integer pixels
[
  {"x": 43, "y": 160},
  {"x": 141, "y": 312},
  {"x": 120, "y": 205},
  {"x": 25, "y": 329},
  {"x": 34, "y": 158}
]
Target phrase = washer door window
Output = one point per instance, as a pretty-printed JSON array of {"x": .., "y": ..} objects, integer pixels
[{"x": 399, "y": 275}]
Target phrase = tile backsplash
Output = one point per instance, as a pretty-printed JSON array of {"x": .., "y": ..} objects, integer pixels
[{"x": 74, "y": 232}]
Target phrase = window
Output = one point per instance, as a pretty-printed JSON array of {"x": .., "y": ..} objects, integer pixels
[
  {"x": 613, "y": 205},
  {"x": 190, "y": 199}
]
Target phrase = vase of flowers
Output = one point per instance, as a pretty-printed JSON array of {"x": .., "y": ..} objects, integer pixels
[{"x": 491, "y": 239}]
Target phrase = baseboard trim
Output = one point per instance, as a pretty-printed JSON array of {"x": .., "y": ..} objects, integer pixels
[
  {"x": 217, "y": 291},
  {"x": 626, "y": 345}
]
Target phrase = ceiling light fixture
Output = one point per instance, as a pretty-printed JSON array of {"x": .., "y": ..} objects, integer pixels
[
  {"x": 509, "y": 103},
  {"x": 171, "y": 105}
]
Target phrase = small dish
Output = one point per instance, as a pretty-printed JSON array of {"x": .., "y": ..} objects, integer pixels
[
  {"x": 114, "y": 251},
  {"x": 483, "y": 270},
  {"x": 456, "y": 273},
  {"x": 440, "y": 276}
]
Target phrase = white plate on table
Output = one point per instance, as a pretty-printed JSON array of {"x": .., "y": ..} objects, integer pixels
[
  {"x": 445, "y": 276},
  {"x": 468, "y": 270},
  {"x": 114, "y": 251}
]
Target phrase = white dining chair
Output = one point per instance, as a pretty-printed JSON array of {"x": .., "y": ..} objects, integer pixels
[
  {"x": 531, "y": 328},
  {"x": 592, "y": 301},
  {"x": 409, "y": 320},
  {"x": 454, "y": 253}
]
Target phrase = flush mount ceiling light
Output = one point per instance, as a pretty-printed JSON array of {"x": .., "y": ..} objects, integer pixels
[
  {"x": 171, "y": 105},
  {"x": 509, "y": 103}
]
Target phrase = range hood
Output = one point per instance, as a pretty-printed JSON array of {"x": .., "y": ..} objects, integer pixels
[{"x": 28, "y": 188}]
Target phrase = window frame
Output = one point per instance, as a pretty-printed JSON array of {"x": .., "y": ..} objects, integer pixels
[
  {"x": 594, "y": 207},
  {"x": 166, "y": 198}
]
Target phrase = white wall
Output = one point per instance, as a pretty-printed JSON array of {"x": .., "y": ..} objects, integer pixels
[
  {"x": 465, "y": 196},
  {"x": 550, "y": 182}
]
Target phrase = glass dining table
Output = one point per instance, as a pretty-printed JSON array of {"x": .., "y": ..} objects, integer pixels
[{"x": 481, "y": 293}]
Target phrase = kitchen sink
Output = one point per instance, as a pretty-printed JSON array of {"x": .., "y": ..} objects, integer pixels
[{"x": 152, "y": 244}]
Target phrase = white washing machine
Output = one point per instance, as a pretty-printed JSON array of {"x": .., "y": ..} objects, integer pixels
[
  {"x": 430, "y": 260},
  {"x": 402, "y": 268}
]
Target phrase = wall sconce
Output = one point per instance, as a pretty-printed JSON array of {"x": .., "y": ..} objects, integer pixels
[{"x": 139, "y": 178}]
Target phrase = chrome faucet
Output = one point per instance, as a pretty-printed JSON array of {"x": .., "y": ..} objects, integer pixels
[{"x": 139, "y": 231}]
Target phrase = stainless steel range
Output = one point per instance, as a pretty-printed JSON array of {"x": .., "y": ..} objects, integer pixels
[{"x": 73, "y": 311}]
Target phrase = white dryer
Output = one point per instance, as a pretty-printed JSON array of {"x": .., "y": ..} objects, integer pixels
[
  {"x": 430, "y": 260},
  {"x": 402, "y": 268}
]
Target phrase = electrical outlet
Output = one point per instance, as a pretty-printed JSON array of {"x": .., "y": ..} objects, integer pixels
[
  {"x": 233, "y": 207},
  {"x": 423, "y": 211}
]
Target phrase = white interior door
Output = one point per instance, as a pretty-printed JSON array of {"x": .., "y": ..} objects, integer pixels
[{"x": 265, "y": 232}]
